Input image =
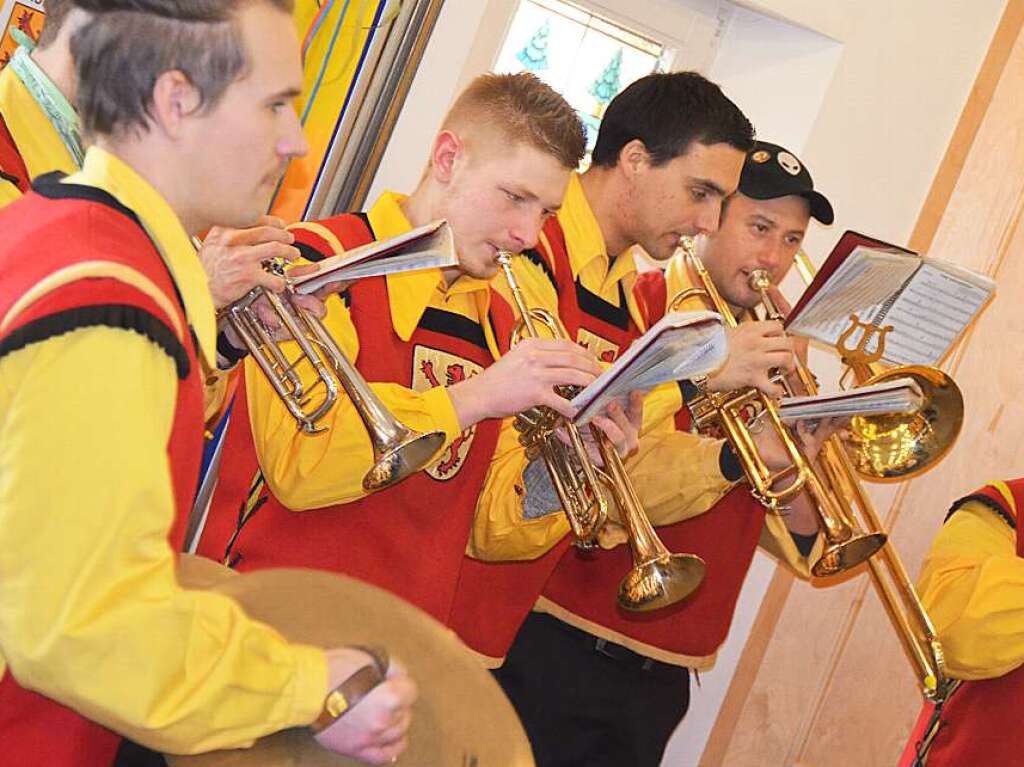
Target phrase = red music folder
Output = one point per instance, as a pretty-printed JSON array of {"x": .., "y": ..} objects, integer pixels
[{"x": 927, "y": 303}]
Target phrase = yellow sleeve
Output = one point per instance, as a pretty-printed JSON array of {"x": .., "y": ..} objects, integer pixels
[
  {"x": 90, "y": 611},
  {"x": 972, "y": 585},
  {"x": 677, "y": 474},
  {"x": 9, "y": 192},
  {"x": 308, "y": 471},
  {"x": 500, "y": 531},
  {"x": 661, "y": 404}
]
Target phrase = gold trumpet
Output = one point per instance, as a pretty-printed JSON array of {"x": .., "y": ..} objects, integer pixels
[
  {"x": 658, "y": 577},
  {"x": 844, "y": 548},
  {"x": 900, "y": 436},
  {"x": 397, "y": 450}
]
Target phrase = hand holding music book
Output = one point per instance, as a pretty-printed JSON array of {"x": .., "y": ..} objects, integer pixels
[
  {"x": 899, "y": 395},
  {"x": 929, "y": 303},
  {"x": 425, "y": 247},
  {"x": 680, "y": 345}
]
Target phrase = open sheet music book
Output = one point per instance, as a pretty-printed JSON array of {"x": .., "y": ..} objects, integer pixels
[
  {"x": 425, "y": 247},
  {"x": 680, "y": 345},
  {"x": 900, "y": 395},
  {"x": 928, "y": 302}
]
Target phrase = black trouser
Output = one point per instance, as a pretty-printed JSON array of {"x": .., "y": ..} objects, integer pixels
[
  {"x": 133, "y": 755},
  {"x": 588, "y": 703}
]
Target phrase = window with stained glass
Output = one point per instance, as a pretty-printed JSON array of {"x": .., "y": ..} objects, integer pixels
[{"x": 585, "y": 57}]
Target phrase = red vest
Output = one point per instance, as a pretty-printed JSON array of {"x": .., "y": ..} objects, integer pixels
[
  {"x": 582, "y": 590},
  {"x": 980, "y": 718},
  {"x": 409, "y": 538},
  {"x": 56, "y": 227},
  {"x": 12, "y": 166},
  {"x": 489, "y": 624}
]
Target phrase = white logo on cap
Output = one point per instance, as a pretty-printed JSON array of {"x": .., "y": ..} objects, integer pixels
[{"x": 789, "y": 163}]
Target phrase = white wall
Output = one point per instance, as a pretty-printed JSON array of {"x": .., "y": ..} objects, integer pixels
[
  {"x": 906, "y": 69},
  {"x": 434, "y": 88},
  {"x": 779, "y": 74}
]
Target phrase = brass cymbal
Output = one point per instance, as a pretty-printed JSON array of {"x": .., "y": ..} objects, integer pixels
[{"x": 461, "y": 718}]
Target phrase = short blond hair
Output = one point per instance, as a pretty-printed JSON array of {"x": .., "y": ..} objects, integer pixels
[{"x": 520, "y": 108}]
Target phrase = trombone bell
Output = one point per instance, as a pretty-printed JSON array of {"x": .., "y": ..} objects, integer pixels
[
  {"x": 899, "y": 446},
  {"x": 841, "y": 556}
]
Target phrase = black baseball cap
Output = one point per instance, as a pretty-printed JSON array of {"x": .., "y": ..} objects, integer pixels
[{"x": 772, "y": 171}]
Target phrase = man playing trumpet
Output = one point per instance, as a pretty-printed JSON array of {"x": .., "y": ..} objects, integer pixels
[
  {"x": 576, "y": 626},
  {"x": 433, "y": 345},
  {"x": 40, "y": 133}
]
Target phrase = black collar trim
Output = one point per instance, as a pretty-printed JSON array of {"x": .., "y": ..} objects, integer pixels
[
  {"x": 595, "y": 306},
  {"x": 998, "y": 508},
  {"x": 455, "y": 325}
]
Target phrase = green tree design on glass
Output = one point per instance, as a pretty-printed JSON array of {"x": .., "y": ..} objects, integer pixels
[
  {"x": 605, "y": 87},
  {"x": 534, "y": 56}
]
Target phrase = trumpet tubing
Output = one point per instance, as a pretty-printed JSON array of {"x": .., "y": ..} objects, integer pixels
[
  {"x": 888, "y": 574},
  {"x": 397, "y": 450},
  {"x": 658, "y": 577},
  {"x": 844, "y": 548}
]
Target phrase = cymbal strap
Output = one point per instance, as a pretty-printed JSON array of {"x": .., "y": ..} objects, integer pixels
[{"x": 353, "y": 689}]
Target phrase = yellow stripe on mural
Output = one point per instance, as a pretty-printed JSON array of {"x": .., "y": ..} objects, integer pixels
[{"x": 340, "y": 39}]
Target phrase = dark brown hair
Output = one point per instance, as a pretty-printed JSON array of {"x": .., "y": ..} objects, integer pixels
[
  {"x": 121, "y": 53},
  {"x": 521, "y": 107},
  {"x": 668, "y": 112}
]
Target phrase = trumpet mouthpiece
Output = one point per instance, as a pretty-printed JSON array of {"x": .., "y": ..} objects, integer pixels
[{"x": 759, "y": 280}]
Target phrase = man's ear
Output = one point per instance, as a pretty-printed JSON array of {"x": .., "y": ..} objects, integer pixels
[
  {"x": 175, "y": 99},
  {"x": 448, "y": 148},
  {"x": 634, "y": 158}
]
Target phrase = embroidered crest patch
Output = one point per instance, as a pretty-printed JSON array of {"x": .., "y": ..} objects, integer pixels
[{"x": 433, "y": 367}]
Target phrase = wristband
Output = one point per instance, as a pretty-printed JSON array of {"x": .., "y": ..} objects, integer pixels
[
  {"x": 227, "y": 351},
  {"x": 352, "y": 690}
]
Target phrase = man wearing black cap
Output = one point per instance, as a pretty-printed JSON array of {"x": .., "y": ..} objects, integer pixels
[{"x": 762, "y": 224}]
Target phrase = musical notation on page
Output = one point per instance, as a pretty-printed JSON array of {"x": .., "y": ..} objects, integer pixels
[
  {"x": 929, "y": 303},
  {"x": 680, "y": 345}
]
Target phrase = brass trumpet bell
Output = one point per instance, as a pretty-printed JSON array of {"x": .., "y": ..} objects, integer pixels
[
  {"x": 397, "y": 450},
  {"x": 661, "y": 582},
  {"x": 840, "y": 556},
  {"x": 658, "y": 577},
  {"x": 899, "y": 446}
]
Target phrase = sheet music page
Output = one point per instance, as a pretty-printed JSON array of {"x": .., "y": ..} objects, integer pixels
[
  {"x": 425, "y": 247},
  {"x": 680, "y": 345},
  {"x": 932, "y": 312},
  {"x": 863, "y": 284},
  {"x": 898, "y": 395}
]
